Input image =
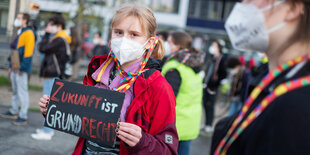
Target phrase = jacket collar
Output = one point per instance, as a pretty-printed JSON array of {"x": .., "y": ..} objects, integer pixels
[
  {"x": 64, "y": 35},
  {"x": 25, "y": 29}
]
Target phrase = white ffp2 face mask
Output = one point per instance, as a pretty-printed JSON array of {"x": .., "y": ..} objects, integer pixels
[
  {"x": 233, "y": 72},
  {"x": 126, "y": 50},
  {"x": 247, "y": 29},
  {"x": 17, "y": 23},
  {"x": 212, "y": 50},
  {"x": 167, "y": 48},
  {"x": 53, "y": 29},
  {"x": 96, "y": 41}
]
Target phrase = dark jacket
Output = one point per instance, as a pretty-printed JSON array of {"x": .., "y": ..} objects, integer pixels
[
  {"x": 56, "y": 46},
  {"x": 240, "y": 84},
  {"x": 219, "y": 74},
  {"x": 283, "y": 128},
  {"x": 100, "y": 50},
  {"x": 258, "y": 74},
  {"x": 153, "y": 109}
]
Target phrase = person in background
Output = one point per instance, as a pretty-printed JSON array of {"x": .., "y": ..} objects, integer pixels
[
  {"x": 240, "y": 77},
  {"x": 77, "y": 53},
  {"x": 259, "y": 73},
  {"x": 87, "y": 45},
  {"x": 163, "y": 35},
  {"x": 19, "y": 76},
  {"x": 275, "y": 117},
  {"x": 182, "y": 73},
  {"x": 147, "y": 116},
  {"x": 13, "y": 47},
  {"x": 216, "y": 71},
  {"x": 100, "y": 48},
  {"x": 52, "y": 47}
]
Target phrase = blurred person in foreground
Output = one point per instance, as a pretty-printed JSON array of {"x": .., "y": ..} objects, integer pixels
[
  {"x": 53, "y": 65},
  {"x": 182, "y": 72},
  {"x": 19, "y": 76},
  {"x": 216, "y": 71},
  {"x": 239, "y": 77},
  {"x": 147, "y": 116},
  {"x": 275, "y": 117}
]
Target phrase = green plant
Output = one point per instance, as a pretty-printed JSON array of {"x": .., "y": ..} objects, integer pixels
[
  {"x": 4, "y": 82},
  {"x": 35, "y": 87}
]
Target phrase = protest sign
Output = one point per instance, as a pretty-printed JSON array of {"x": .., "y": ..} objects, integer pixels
[{"x": 84, "y": 111}]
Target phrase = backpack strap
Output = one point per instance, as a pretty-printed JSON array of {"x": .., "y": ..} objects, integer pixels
[
  {"x": 149, "y": 72},
  {"x": 68, "y": 50}
]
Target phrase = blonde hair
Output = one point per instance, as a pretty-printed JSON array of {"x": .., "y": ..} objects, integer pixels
[{"x": 147, "y": 20}]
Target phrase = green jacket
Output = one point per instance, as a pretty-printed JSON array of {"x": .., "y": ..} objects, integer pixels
[{"x": 188, "y": 101}]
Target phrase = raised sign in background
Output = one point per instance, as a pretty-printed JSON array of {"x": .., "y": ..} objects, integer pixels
[{"x": 84, "y": 111}]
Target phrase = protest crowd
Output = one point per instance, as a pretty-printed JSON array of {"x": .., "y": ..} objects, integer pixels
[{"x": 151, "y": 91}]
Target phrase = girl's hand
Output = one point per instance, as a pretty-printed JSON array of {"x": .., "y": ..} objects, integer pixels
[
  {"x": 44, "y": 100},
  {"x": 129, "y": 133}
]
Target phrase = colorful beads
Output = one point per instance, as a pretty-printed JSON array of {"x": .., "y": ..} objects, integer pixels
[{"x": 280, "y": 90}]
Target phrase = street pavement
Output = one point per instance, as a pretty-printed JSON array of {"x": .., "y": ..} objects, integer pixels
[{"x": 16, "y": 140}]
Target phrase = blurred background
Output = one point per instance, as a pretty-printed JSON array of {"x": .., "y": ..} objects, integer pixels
[{"x": 203, "y": 19}]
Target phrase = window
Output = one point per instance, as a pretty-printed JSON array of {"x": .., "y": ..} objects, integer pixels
[
  {"x": 210, "y": 9},
  {"x": 168, "y": 6},
  {"x": 228, "y": 8},
  {"x": 3, "y": 15},
  {"x": 3, "y": 18}
]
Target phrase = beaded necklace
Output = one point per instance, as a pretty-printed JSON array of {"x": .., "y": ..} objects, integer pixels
[
  {"x": 186, "y": 57},
  {"x": 225, "y": 143}
]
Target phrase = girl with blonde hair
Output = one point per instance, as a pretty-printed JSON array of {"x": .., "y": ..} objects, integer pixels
[{"x": 148, "y": 114}]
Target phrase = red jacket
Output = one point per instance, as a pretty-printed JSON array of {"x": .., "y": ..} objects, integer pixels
[{"x": 153, "y": 109}]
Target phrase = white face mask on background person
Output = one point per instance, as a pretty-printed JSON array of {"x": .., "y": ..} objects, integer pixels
[
  {"x": 96, "y": 41},
  {"x": 53, "y": 29},
  {"x": 246, "y": 27},
  {"x": 167, "y": 48},
  {"x": 233, "y": 72},
  {"x": 17, "y": 23},
  {"x": 212, "y": 50},
  {"x": 126, "y": 50},
  {"x": 173, "y": 48}
]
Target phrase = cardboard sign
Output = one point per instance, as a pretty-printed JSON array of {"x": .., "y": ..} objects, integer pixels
[{"x": 84, "y": 111}]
